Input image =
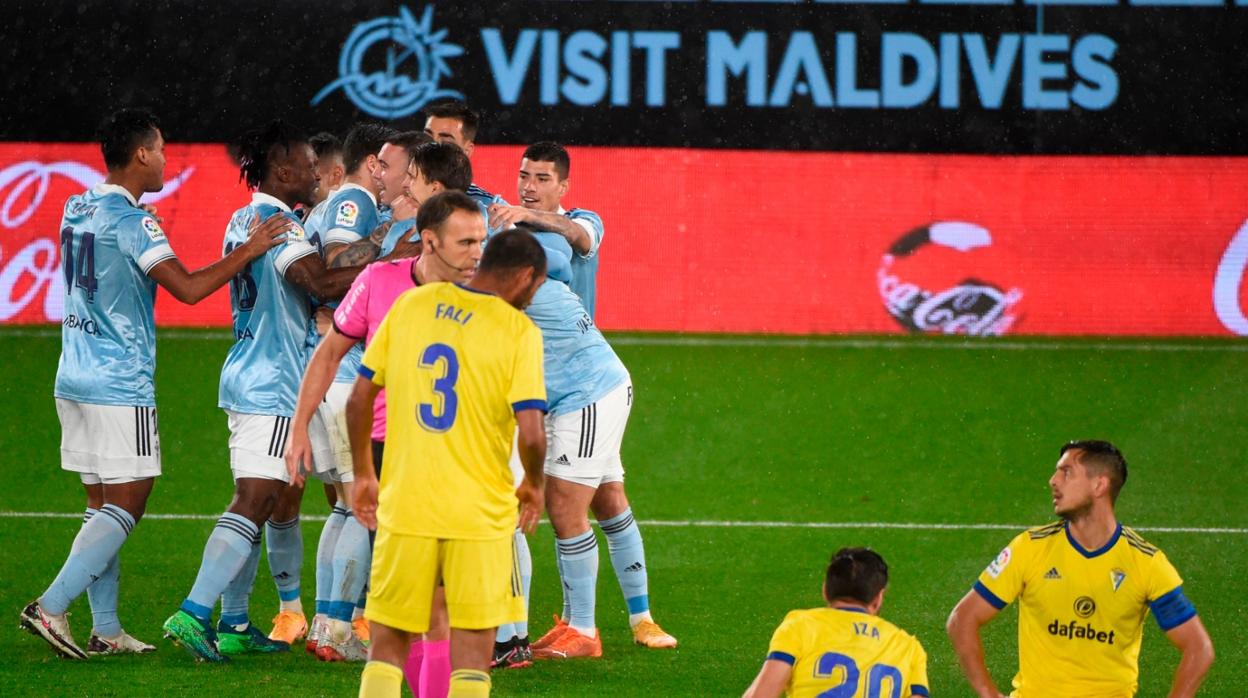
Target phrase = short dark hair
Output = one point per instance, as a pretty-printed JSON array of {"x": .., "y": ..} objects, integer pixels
[
  {"x": 123, "y": 132},
  {"x": 445, "y": 163},
  {"x": 455, "y": 109},
  {"x": 512, "y": 250},
  {"x": 855, "y": 574},
  {"x": 410, "y": 141},
  {"x": 433, "y": 214},
  {"x": 325, "y": 144},
  {"x": 550, "y": 151},
  {"x": 363, "y": 140},
  {"x": 1102, "y": 458},
  {"x": 258, "y": 148}
]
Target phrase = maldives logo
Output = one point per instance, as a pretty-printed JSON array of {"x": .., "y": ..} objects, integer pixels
[
  {"x": 390, "y": 66},
  {"x": 926, "y": 287}
]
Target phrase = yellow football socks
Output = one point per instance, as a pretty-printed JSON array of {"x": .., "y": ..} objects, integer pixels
[
  {"x": 467, "y": 683},
  {"x": 382, "y": 680}
]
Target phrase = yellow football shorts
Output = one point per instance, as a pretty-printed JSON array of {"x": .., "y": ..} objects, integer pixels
[{"x": 482, "y": 580}]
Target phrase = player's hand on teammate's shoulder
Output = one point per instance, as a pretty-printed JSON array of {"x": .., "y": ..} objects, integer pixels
[
  {"x": 151, "y": 211},
  {"x": 532, "y": 503},
  {"x": 364, "y": 501},
  {"x": 504, "y": 217},
  {"x": 265, "y": 235}
]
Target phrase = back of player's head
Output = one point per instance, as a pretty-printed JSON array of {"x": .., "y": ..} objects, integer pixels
[
  {"x": 455, "y": 109},
  {"x": 434, "y": 212},
  {"x": 123, "y": 132},
  {"x": 511, "y": 251},
  {"x": 1101, "y": 458},
  {"x": 259, "y": 149},
  {"x": 363, "y": 140},
  {"x": 410, "y": 141},
  {"x": 855, "y": 574},
  {"x": 325, "y": 145},
  {"x": 550, "y": 151},
  {"x": 445, "y": 163}
]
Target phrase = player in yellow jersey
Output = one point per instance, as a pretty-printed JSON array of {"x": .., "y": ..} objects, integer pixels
[
  {"x": 845, "y": 649},
  {"x": 1084, "y": 586},
  {"x": 462, "y": 369}
]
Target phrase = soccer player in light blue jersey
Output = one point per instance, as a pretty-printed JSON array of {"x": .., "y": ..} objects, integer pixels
[
  {"x": 330, "y": 170},
  {"x": 542, "y": 184},
  {"x": 113, "y": 254},
  {"x": 393, "y": 162},
  {"x": 590, "y": 395},
  {"x": 271, "y": 307},
  {"x": 454, "y": 122},
  {"x": 337, "y": 228}
]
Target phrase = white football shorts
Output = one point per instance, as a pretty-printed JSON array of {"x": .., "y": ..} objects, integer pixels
[
  {"x": 331, "y": 450},
  {"x": 584, "y": 446},
  {"x": 257, "y": 444},
  {"x": 108, "y": 444}
]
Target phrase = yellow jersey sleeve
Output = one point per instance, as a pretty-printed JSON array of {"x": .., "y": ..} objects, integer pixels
[
  {"x": 1002, "y": 580},
  {"x": 790, "y": 640},
  {"x": 373, "y": 364},
  {"x": 918, "y": 670},
  {"x": 1170, "y": 606},
  {"x": 528, "y": 384}
]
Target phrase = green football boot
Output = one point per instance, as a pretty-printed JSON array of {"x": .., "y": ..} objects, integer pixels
[
  {"x": 198, "y": 639},
  {"x": 249, "y": 641}
]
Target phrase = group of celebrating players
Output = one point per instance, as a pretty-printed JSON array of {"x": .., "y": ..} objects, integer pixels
[{"x": 428, "y": 352}]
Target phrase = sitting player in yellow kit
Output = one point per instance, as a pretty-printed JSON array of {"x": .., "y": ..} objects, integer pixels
[{"x": 845, "y": 649}]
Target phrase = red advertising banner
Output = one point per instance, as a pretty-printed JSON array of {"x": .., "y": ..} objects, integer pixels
[{"x": 797, "y": 243}]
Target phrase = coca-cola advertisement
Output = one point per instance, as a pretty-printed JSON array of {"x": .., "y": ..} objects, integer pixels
[{"x": 783, "y": 242}]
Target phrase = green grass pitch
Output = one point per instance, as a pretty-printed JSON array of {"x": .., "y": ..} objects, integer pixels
[{"x": 841, "y": 430}]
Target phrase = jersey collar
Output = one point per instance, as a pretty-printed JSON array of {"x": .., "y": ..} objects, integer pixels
[
  {"x": 259, "y": 198},
  {"x": 352, "y": 185},
  {"x": 103, "y": 189},
  {"x": 1092, "y": 553},
  {"x": 474, "y": 290}
]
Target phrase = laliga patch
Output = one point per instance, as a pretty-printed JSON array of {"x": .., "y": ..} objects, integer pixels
[
  {"x": 296, "y": 232},
  {"x": 152, "y": 228},
  {"x": 348, "y": 213},
  {"x": 997, "y": 566}
]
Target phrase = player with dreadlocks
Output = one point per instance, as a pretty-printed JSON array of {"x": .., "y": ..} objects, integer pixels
[
  {"x": 114, "y": 254},
  {"x": 270, "y": 302}
]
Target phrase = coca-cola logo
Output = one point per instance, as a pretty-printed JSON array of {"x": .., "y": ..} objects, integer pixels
[
  {"x": 1228, "y": 282},
  {"x": 923, "y": 303},
  {"x": 31, "y": 268}
]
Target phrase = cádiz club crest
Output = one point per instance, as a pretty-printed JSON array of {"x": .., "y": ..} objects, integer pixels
[{"x": 390, "y": 66}]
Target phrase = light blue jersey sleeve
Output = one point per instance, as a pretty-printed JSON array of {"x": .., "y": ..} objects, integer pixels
[
  {"x": 580, "y": 366},
  {"x": 558, "y": 255},
  {"x": 585, "y": 267},
  {"x": 350, "y": 216},
  {"x": 396, "y": 233}
]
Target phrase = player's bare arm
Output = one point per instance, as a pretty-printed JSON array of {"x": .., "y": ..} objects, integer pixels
[
  {"x": 192, "y": 287},
  {"x": 359, "y": 429},
  {"x": 531, "y": 444},
  {"x": 358, "y": 253},
  {"x": 312, "y": 389},
  {"x": 963, "y": 626},
  {"x": 1193, "y": 642},
  {"x": 310, "y": 274},
  {"x": 771, "y": 680},
  {"x": 502, "y": 216}
]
